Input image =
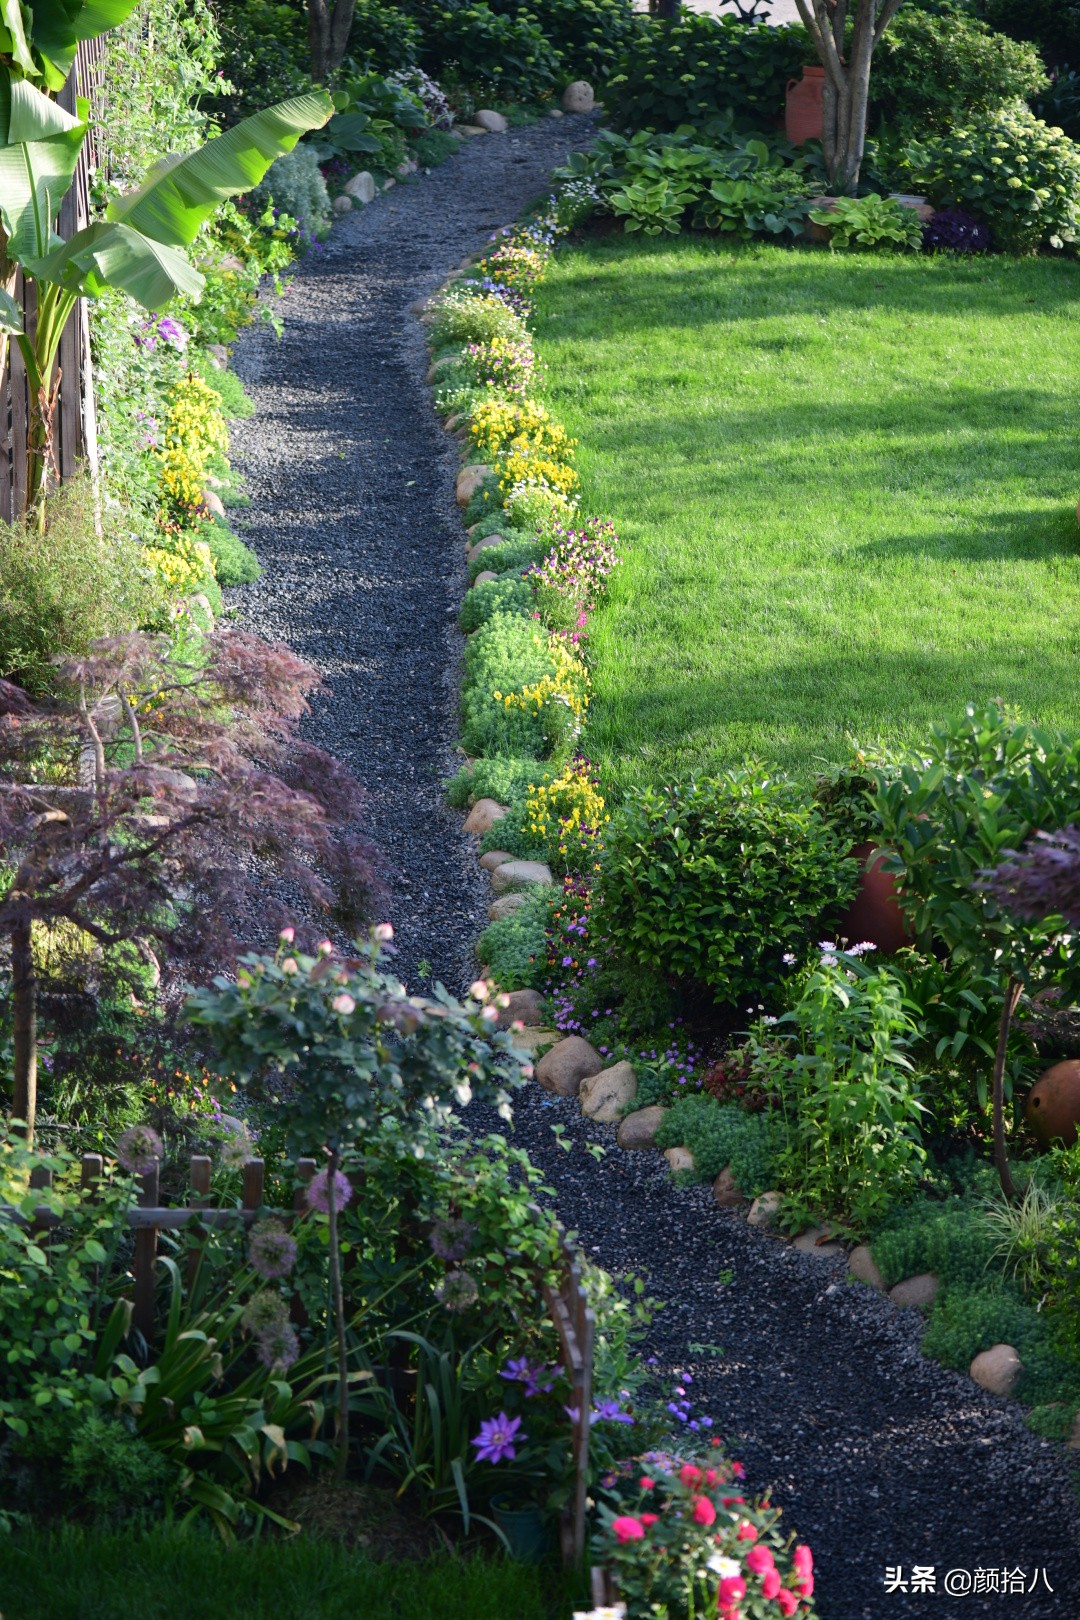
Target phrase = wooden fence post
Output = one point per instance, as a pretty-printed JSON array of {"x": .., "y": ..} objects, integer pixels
[{"x": 146, "y": 1242}]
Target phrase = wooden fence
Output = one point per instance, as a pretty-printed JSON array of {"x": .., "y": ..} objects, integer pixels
[
  {"x": 76, "y": 433},
  {"x": 566, "y": 1300}
]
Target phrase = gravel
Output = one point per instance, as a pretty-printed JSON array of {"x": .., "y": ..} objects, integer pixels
[
  {"x": 879, "y": 1457},
  {"x": 351, "y": 480}
]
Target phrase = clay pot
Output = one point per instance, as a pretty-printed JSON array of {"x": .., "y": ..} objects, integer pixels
[
  {"x": 875, "y": 913},
  {"x": 811, "y": 228},
  {"x": 1052, "y": 1110},
  {"x": 802, "y": 115}
]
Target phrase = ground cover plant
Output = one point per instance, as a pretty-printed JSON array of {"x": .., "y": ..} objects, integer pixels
[{"x": 754, "y": 613}]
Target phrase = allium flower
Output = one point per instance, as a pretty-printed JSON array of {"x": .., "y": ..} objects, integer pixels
[
  {"x": 451, "y": 1239},
  {"x": 236, "y": 1144},
  {"x": 457, "y": 1291},
  {"x": 628, "y": 1529},
  {"x": 278, "y": 1346},
  {"x": 318, "y": 1190},
  {"x": 497, "y": 1439},
  {"x": 343, "y": 1004},
  {"x": 271, "y": 1250},
  {"x": 264, "y": 1310},
  {"x": 139, "y": 1149}
]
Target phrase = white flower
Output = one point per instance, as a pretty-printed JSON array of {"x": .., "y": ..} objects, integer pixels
[
  {"x": 384, "y": 933},
  {"x": 478, "y": 990},
  {"x": 789, "y": 959},
  {"x": 343, "y": 1004},
  {"x": 724, "y": 1567}
]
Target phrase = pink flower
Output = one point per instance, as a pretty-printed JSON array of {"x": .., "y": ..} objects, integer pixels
[
  {"x": 343, "y": 1004},
  {"x": 289, "y": 965},
  {"x": 805, "y": 1586},
  {"x": 759, "y": 1560},
  {"x": 731, "y": 1589},
  {"x": 802, "y": 1561},
  {"x": 324, "y": 948},
  {"x": 704, "y": 1512},
  {"x": 628, "y": 1529},
  {"x": 690, "y": 1475},
  {"x": 711, "y": 1476},
  {"x": 318, "y": 1189},
  {"x": 787, "y": 1600},
  {"x": 287, "y": 935},
  {"x": 384, "y": 933},
  {"x": 738, "y": 1470},
  {"x": 770, "y": 1583},
  {"x": 646, "y": 1483},
  {"x": 649, "y": 1519},
  {"x": 746, "y": 1532},
  {"x": 479, "y": 990},
  {"x": 729, "y": 1501}
]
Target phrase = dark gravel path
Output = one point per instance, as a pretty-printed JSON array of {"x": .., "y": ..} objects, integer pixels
[
  {"x": 879, "y": 1457},
  {"x": 354, "y": 522}
]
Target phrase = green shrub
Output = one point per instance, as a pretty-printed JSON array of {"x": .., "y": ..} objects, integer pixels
[
  {"x": 294, "y": 185},
  {"x": 1018, "y": 175},
  {"x": 514, "y": 949},
  {"x": 714, "y": 879},
  {"x": 685, "y": 72},
  {"x": 965, "y": 1321},
  {"x": 719, "y": 1134},
  {"x": 769, "y": 203},
  {"x": 502, "y": 778},
  {"x": 432, "y": 147},
  {"x": 870, "y": 222},
  {"x": 488, "y": 51},
  {"x": 937, "y": 71},
  {"x": 511, "y": 595},
  {"x": 1052, "y": 25},
  {"x": 950, "y": 1239},
  {"x": 589, "y": 37},
  {"x": 518, "y": 550},
  {"x": 383, "y": 37},
  {"x": 235, "y": 403},
  {"x": 235, "y": 563},
  {"x": 61, "y": 590},
  {"x": 505, "y": 654},
  {"x": 87, "y": 1458},
  {"x": 470, "y": 316}
]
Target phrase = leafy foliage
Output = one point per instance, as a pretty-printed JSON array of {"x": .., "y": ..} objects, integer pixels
[
  {"x": 294, "y": 184},
  {"x": 720, "y": 1134},
  {"x": 714, "y": 879},
  {"x": 494, "y": 52},
  {"x": 939, "y": 71},
  {"x": 869, "y": 222},
  {"x": 514, "y": 948}
]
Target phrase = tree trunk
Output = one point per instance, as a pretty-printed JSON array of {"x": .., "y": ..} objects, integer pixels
[
  {"x": 24, "y": 1018},
  {"x": 328, "y": 36},
  {"x": 846, "y": 95},
  {"x": 1001, "y": 1157},
  {"x": 341, "y": 1458}
]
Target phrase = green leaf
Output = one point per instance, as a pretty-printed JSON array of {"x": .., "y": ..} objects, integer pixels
[
  {"x": 57, "y": 27},
  {"x": 41, "y": 146},
  {"x": 108, "y": 255},
  {"x": 11, "y": 316},
  {"x": 15, "y": 16},
  {"x": 181, "y": 193}
]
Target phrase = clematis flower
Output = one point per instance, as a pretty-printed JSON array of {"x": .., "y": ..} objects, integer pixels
[{"x": 497, "y": 1438}]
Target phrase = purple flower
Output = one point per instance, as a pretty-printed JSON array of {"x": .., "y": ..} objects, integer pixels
[
  {"x": 318, "y": 1190},
  {"x": 271, "y": 1250},
  {"x": 610, "y": 1412},
  {"x": 278, "y": 1346},
  {"x": 139, "y": 1149},
  {"x": 457, "y": 1291},
  {"x": 496, "y": 1438},
  {"x": 451, "y": 1239}
]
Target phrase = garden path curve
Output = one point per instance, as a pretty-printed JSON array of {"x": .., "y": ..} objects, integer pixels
[{"x": 879, "y": 1457}]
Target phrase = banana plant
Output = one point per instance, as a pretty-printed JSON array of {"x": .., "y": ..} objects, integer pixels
[{"x": 139, "y": 247}]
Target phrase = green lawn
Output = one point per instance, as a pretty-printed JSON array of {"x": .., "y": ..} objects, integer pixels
[
  {"x": 75, "y": 1575},
  {"x": 845, "y": 488}
]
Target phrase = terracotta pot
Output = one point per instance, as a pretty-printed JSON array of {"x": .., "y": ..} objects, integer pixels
[
  {"x": 802, "y": 116},
  {"x": 874, "y": 914},
  {"x": 811, "y": 228},
  {"x": 1052, "y": 1110}
]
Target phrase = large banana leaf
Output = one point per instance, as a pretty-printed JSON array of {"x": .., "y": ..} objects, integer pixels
[
  {"x": 13, "y": 40},
  {"x": 58, "y": 26},
  {"x": 107, "y": 255},
  {"x": 180, "y": 193},
  {"x": 39, "y": 148}
]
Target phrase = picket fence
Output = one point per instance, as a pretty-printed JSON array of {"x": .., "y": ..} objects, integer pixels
[{"x": 566, "y": 1300}]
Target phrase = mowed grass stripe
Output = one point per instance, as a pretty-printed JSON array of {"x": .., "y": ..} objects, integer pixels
[{"x": 845, "y": 488}]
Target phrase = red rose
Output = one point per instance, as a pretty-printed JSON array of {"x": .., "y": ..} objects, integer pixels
[
  {"x": 648, "y": 1519},
  {"x": 730, "y": 1590},
  {"x": 805, "y": 1586},
  {"x": 730, "y": 1501},
  {"x": 746, "y": 1532},
  {"x": 787, "y": 1600},
  {"x": 802, "y": 1560},
  {"x": 704, "y": 1512},
  {"x": 758, "y": 1560},
  {"x": 646, "y": 1483},
  {"x": 628, "y": 1529},
  {"x": 711, "y": 1476},
  {"x": 689, "y": 1474},
  {"x": 738, "y": 1470},
  {"x": 770, "y": 1583}
]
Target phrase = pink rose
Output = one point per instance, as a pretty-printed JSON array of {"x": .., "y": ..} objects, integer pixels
[
  {"x": 704, "y": 1512},
  {"x": 738, "y": 1470},
  {"x": 770, "y": 1583},
  {"x": 805, "y": 1586},
  {"x": 746, "y": 1532},
  {"x": 802, "y": 1560},
  {"x": 711, "y": 1476},
  {"x": 646, "y": 1483},
  {"x": 628, "y": 1529},
  {"x": 787, "y": 1600},
  {"x": 759, "y": 1560},
  {"x": 648, "y": 1520},
  {"x": 689, "y": 1474},
  {"x": 730, "y": 1590}
]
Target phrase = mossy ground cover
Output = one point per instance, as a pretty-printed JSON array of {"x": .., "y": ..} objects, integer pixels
[
  {"x": 845, "y": 489},
  {"x": 75, "y": 1575}
]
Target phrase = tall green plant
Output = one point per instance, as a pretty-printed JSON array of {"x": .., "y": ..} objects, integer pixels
[
  {"x": 987, "y": 782},
  {"x": 140, "y": 245}
]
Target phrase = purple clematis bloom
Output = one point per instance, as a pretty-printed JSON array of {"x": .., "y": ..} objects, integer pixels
[
  {"x": 610, "y": 1412},
  {"x": 496, "y": 1438}
]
